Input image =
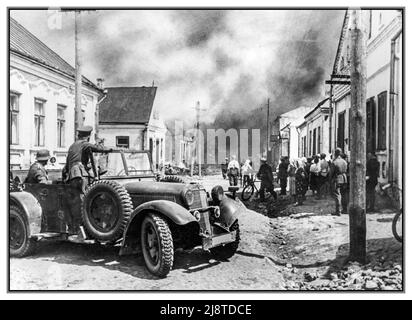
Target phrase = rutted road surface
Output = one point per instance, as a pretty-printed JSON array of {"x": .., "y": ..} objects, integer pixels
[{"x": 69, "y": 266}]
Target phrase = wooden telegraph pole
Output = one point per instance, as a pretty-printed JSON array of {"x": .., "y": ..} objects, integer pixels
[
  {"x": 78, "y": 75},
  {"x": 357, "y": 168}
]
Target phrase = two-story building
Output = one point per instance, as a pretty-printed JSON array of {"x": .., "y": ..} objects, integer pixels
[{"x": 42, "y": 107}]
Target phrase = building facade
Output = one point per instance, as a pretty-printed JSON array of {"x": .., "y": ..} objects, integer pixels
[
  {"x": 285, "y": 134},
  {"x": 41, "y": 100},
  {"x": 384, "y": 92},
  {"x": 313, "y": 132},
  {"x": 128, "y": 119}
]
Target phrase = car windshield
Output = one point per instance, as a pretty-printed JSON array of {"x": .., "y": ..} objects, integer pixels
[{"x": 137, "y": 163}]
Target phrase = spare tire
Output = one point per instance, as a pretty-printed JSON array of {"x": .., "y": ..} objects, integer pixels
[
  {"x": 173, "y": 179},
  {"x": 106, "y": 210}
]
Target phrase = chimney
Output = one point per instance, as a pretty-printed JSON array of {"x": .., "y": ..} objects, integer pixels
[{"x": 100, "y": 83}]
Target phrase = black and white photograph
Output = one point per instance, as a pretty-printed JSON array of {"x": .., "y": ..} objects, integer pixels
[{"x": 198, "y": 149}]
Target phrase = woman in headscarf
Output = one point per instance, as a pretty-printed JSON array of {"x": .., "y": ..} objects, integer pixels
[{"x": 292, "y": 179}]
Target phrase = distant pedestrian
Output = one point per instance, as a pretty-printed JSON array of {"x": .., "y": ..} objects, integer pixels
[
  {"x": 265, "y": 174},
  {"x": 324, "y": 176},
  {"x": 283, "y": 174},
  {"x": 233, "y": 171},
  {"x": 372, "y": 174},
  {"x": 246, "y": 171},
  {"x": 292, "y": 179},
  {"x": 314, "y": 176},
  {"x": 338, "y": 173},
  {"x": 301, "y": 182},
  {"x": 224, "y": 168}
]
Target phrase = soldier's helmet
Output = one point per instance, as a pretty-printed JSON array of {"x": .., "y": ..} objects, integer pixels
[{"x": 43, "y": 155}]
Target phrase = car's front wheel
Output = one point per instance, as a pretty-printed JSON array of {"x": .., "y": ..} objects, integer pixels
[
  {"x": 20, "y": 243},
  {"x": 157, "y": 244}
]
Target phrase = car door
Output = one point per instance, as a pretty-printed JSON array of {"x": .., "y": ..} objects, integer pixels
[{"x": 53, "y": 201}]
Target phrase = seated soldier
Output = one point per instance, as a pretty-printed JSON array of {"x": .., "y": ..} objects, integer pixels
[{"x": 37, "y": 172}]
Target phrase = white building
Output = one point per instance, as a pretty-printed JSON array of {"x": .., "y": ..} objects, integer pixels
[
  {"x": 285, "y": 134},
  {"x": 384, "y": 92},
  {"x": 128, "y": 119},
  {"x": 314, "y": 131},
  {"x": 42, "y": 113}
]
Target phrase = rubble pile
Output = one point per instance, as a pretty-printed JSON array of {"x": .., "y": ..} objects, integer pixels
[{"x": 381, "y": 276}]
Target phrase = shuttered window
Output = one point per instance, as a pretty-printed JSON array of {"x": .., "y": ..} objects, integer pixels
[{"x": 382, "y": 121}]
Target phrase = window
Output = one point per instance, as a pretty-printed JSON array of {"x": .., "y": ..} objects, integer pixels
[
  {"x": 122, "y": 142},
  {"x": 304, "y": 146},
  {"x": 382, "y": 121},
  {"x": 370, "y": 125},
  {"x": 314, "y": 142},
  {"x": 318, "y": 140},
  {"x": 14, "y": 118},
  {"x": 341, "y": 130},
  {"x": 61, "y": 126},
  {"x": 310, "y": 142},
  {"x": 39, "y": 122}
]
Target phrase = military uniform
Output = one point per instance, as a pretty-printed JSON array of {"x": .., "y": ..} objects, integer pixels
[
  {"x": 338, "y": 173},
  {"x": 37, "y": 172},
  {"x": 78, "y": 157}
]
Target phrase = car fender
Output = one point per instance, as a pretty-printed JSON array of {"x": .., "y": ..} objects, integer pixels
[
  {"x": 173, "y": 211},
  {"x": 229, "y": 210},
  {"x": 31, "y": 208}
]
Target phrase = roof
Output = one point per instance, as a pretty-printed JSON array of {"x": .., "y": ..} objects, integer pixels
[
  {"x": 24, "y": 43},
  {"x": 341, "y": 41},
  {"x": 317, "y": 107},
  {"x": 127, "y": 105}
]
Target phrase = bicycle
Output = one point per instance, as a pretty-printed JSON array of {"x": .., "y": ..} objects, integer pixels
[
  {"x": 397, "y": 226},
  {"x": 250, "y": 188},
  {"x": 394, "y": 193}
]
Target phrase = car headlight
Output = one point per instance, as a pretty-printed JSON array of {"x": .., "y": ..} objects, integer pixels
[
  {"x": 190, "y": 198},
  {"x": 217, "y": 194}
]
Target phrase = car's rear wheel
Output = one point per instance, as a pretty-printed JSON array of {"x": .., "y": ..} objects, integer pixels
[
  {"x": 228, "y": 250},
  {"x": 20, "y": 243},
  {"x": 107, "y": 208},
  {"x": 157, "y": 245}
]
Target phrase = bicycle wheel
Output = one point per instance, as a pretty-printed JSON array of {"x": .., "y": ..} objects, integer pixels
[
  {"x": 397, "y": 226},
  {"x": 247, "y": 192}
]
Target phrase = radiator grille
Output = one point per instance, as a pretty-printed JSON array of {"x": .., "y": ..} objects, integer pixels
[{"x": 200, "y": 199}]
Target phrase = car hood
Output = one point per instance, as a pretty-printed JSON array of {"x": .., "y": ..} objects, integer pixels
[{"x": 151, "y": 187}]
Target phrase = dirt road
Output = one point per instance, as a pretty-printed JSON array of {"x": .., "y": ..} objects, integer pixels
[
  {"x": 274, "y": 254},
  {"x": 69, "y": 266}
]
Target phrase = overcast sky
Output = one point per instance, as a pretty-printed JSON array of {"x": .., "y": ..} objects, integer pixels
[{"x": 231, "y": 61}]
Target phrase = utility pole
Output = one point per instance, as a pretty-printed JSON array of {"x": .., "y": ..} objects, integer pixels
[
  {"x": 268, "y": 131},
  {"x": 357, "y": 169},
  {"x": 78, "y": 75},
  {"x": 78, "y": 121},
  {"x": 198, "y": 142}
]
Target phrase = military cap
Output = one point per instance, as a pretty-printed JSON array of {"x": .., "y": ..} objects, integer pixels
[
  {"x": 85, "y": 129},
  {"x": 43, "y": 155}
]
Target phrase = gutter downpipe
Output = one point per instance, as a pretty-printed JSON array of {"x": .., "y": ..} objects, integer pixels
[{"x": 392, "y": 102}]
